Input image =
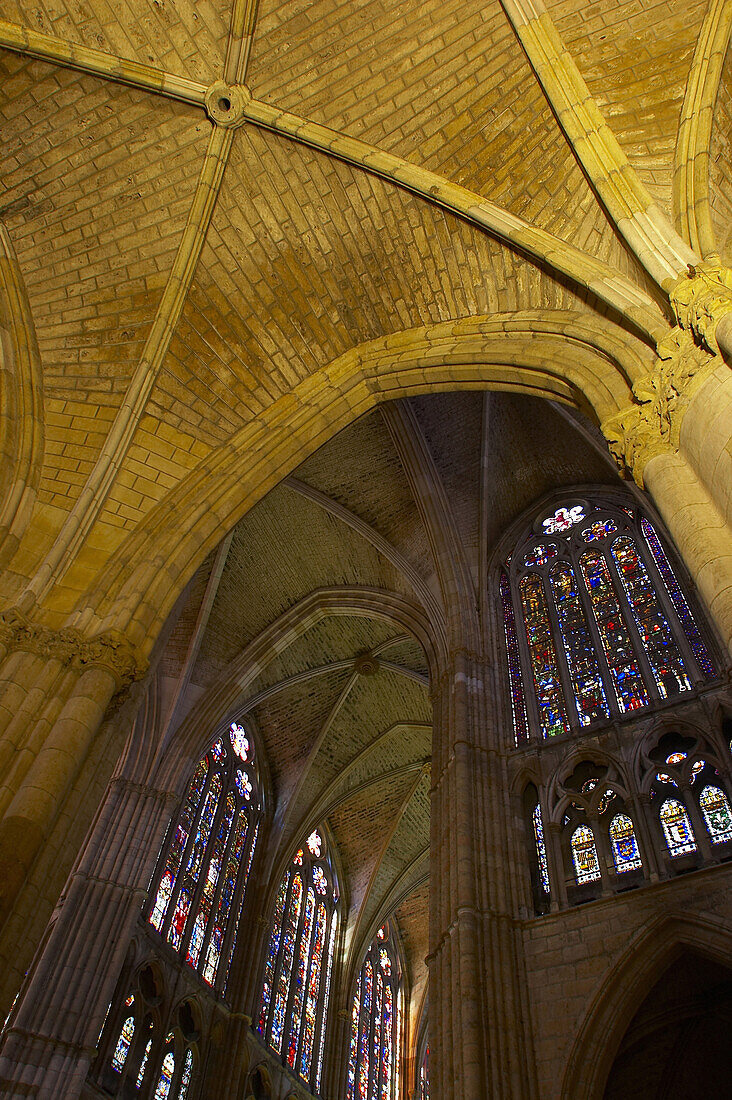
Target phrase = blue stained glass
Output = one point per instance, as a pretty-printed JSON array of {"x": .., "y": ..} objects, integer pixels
[
  {"x": 541, "y": 554},
  {"x": 316, "y": 965},
  {"x": 326, "y": 998},
  {"x": 624, "y": 844},
  {"x": 663, "y": 653},
  {"x": 185, "y": 1078},
  {"x": 274, "y": 946},
  {"x": 630, "y": 690},
  {"x": 286, "y": 959},
  {"x": 518, "y": 703},
  {"x": 143, "y": 1063},
  {"x": 549, "y": 694},
  {"x": 601, "y": 529},
  {"x": 681, "y": 607},
  {"x": 355, "y": 1018},
  {"x": 122, "y": 1048},
  {"x": 584, "y": 669},
  {"x": 166, "y": 1077},
  {"x": 300, "y": 974}
]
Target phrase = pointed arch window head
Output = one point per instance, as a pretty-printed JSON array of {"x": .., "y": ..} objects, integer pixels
[
  {"x": 297, "y": 970},
  {"x": 596, "y": 624},
  {"x": 375, "y": 1013},
  {"x": 200, "y": 882}
]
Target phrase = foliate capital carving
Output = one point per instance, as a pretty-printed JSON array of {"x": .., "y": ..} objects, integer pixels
[
  {"x": 700, "y": 298},
  {"x": 652, "y": 424},
  {"x": 69, "y": 646}
]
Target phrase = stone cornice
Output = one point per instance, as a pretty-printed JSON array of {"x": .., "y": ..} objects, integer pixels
[{"x": 110, "y": 651}]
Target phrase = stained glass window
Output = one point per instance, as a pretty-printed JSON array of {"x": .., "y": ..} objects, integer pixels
[
  {"x": 626, "y": 854},
  {"x": 715, "y": 807},
  {"x": 202, "y": 875},
  {"x": 584, "y": 855},
  {"x": 538, "y": 825},
  {"x": 165, "y": 1080},
  {"x": 297, "y": 969},
  {"x": 126, "y": 1035},
  {"x": 374, "y": 1042},
  {"x": 185, "y": 1077},
  {"x": 604, "y": 627},
  {"x": 676, "y": 827}
]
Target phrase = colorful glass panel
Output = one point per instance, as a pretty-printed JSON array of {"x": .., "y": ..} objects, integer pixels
[
  {"x": 540, "y": 848},
  {"x": 223, "y": 910},
  {"x": 626, "y": 854},
  {"x": 579, "y": 649},
  {"x": 376, "y": 1041},
  {"x": 218, "y": 751},
  {"x": 315, "y": 843},
  {"x": 584, "y": 855},
  {"x": 353, "y": 1048},
  {"x": 162, "y": 1089},
  {"x": 715, "y": 807},
  {"x": 676, "y": 828},
  {"x": 364, "y": 1049},
  {"x": 681, "y": 607},
  {"x": 274, "y": 946},
  {"x": 239, "y": 741},
  {"x": 424, "y": 1076},
  {"x": 298, "y": 994},
  {"x": 630, "y": 690},
  {"x": 195, "y": 861},
  {"x": 213, "y": 870},
  {"x": 660, "y": 645},
  {"x": 185, "y": 1077},
  {"x": 600, "y": 529},
  {"x": 518, "y": 703},
  {"x": 549, "y": 695},
  {"x": 143, "y": 1063},
  {"x": 326, "y": 998},
  {"x": 311, "y": 1005},
  {"x": 387, "y": 1043},
  {"x": 287, "y": 953},
  {"x": 177, "y": 846},
  {"x": 122, "y": 1049},
  {"x": 563, "y": 519},
  {"x": 541, "y": 554}
]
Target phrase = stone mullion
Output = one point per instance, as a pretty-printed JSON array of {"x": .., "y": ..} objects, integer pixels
[
  {"x": 649, "y": 856},
  {"x": 628, "y": 615},
  {"x": 51, "y": 1043},
  {"x": 698, "y": 824}
]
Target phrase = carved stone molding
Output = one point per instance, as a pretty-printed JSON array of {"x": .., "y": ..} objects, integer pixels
[
  {"x": 652, "y": 424},
  {"x": 701, "y": 297},
  {"x": 110, "y": 651}
]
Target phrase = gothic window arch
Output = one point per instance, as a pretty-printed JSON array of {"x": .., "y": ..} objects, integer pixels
[
  {"x": 689, "y": 794},
  {"x": 375, "y": 1022},
  {"x": 298, "y": 965},
  {"x": 596, "y": 623},
  {"x": 198, "y": 888}
]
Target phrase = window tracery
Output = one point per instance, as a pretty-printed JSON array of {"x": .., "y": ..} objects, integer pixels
[
  {"x": 595, "y": 621},
  {"x": 374, "y": 1043},
  {"x": 199, "y": 886},
  {"x": 298, "y": 964}
]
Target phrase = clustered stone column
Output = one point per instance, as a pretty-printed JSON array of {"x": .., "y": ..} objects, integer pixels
[
  {"x": 51, "y": 1041},
  {"x": 477, "y": 1041}
]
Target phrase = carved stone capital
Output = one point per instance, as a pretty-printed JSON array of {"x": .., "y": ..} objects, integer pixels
[
  {"x": 651, "y": 425},
  {"x": 226, "y": 103},
  {"x": 69, "y": 646},
  {"x": 701, "y": 297}
]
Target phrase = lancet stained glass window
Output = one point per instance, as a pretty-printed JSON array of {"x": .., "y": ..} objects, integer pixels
[
  {"x": 626, "y": 855},
  {"x": 715, "y": 807},
  {"x": 200, "y": 881},
  {"x": 677, "y": 828},
  {"x": 584, "y": 855},
  {"x": 374, "y": 1045},
  {"x": 296, "y": 984},
  {"x": 596, "y": 624}
]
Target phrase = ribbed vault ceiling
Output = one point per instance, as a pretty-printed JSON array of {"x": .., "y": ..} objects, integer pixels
[{"x": 344, "y": 742}]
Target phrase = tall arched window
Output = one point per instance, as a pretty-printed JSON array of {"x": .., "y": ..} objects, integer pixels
[
  {"x": 595, "y": 621},
  {"x": 201, "y": 877},
  {"x": 297, "y": 970},
  {"x": 374, "y": 1047}
]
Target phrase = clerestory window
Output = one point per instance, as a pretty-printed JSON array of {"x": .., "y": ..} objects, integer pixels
[
  {"x": 596, "y": 623},
  {"x": 297, "y": 973},
  {"x": 374, "y": 1047},
  {"x": 198, "y": 888}
]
